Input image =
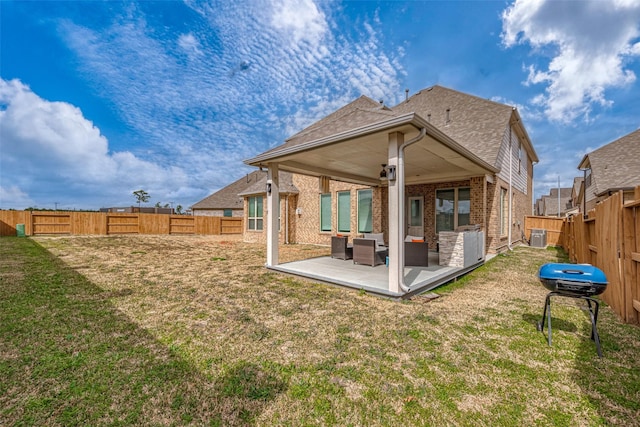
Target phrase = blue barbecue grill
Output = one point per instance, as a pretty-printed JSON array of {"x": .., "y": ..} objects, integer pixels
[{"x": 582, "y": 281}]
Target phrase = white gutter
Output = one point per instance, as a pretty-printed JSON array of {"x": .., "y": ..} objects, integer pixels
[
  {"x": 286, "y": 220},
  {"x": 400, "y": 178},
  {"x": 510, "y": 190}
]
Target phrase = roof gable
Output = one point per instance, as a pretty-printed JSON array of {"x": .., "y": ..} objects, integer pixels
[
  {"x": 617, "y": 164},
  {"x": 229, "y": 197},
  {"x": 477, "y": 124}
]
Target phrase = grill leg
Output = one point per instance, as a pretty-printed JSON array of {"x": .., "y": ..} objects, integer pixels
[
  {"x": 546, "y": 314},
  {"x": 594, "y": 320}
]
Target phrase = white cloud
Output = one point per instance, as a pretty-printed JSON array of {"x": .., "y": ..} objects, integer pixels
[
  {"x": 189, "y": 44},
  {"x": 589, "y": 45},
  {"x": 50, "y": 147},
  {"x": 13, "y": 197},
  {"x": 299, "y": 19}
]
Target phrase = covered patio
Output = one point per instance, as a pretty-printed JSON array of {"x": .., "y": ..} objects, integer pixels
[
  {"x": 355, "y": 155},
  {"x": 374, "y": 280}
]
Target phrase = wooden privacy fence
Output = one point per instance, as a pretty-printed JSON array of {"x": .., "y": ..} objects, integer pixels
[
  {"x": 72, "y": 223},
  {"x": 555, "y": 228},
  {"x": 610, "y": 239}
]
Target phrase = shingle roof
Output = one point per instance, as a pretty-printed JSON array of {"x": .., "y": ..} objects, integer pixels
[
  {"x": 616, "y": 165},
  {"x": 229, "y": 197},
  {"x": 259, "y": 187},
  {"x": 476, "y": 123},
  {"x": 362, "y": 111}
]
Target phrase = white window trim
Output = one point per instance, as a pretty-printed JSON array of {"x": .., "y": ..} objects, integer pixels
[
  {"x": 255, "y": 218},
  {"x": 358, "y": 210},
  {"x": 338, "y": 211}
]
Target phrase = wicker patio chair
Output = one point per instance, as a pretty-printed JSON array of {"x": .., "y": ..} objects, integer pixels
[
  {"x": 340, "y": 248},
  {"x": 364, "y": 252}
]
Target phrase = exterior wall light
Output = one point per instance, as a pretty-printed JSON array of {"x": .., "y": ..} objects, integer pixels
[{"x": 268, "y": 188}]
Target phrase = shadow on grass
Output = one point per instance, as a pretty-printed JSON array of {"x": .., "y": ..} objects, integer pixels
[
  {"x": 69, "y": 357},
  {"x": 611, "y": 384}
]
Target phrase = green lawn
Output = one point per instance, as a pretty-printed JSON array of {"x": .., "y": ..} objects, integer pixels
[{"x": 183, "y": 331}]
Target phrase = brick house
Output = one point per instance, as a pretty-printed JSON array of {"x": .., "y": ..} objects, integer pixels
[
  {"x": 611, "y": 168},
  {"x": 446, "y": 158},
  {"x": 229, "y": 201}
]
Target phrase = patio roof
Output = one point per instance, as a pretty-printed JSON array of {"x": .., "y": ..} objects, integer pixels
[{"x": 356, "y": 155}]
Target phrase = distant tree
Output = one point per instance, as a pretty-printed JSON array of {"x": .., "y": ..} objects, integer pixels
[
  {"x": 158, "y": 205},
  {"x": 179, "y": 209},
  {"x": 141, "y": 196},
  {"x": 166, "y": 205}
]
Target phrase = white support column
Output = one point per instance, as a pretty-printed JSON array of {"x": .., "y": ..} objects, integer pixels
[
  {"x": 396, "y": 216},
  {"x": 273, "y": 196}
]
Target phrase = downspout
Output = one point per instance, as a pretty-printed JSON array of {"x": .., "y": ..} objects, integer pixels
[
  {"x": 286, "y": 220},
  {"x": 510, "y": 189},
  {"x": 400, "y": 178}
]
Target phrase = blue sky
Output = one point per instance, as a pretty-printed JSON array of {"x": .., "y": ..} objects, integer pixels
[{"x": 99, "y": 99}]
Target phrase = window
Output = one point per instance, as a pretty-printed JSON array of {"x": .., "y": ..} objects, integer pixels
[
  {"x": 365, "y": 211},
  {"x": 228, "y": 213},
  {"x": 255, "y": 213},
  {"x": 344, "y": 211},
  {"x": 587, "y": 180},
  {"x": 325, "y": 212},
  {"x": 520, "y": 153},
  {"x": 504, "y": 212},
  {"x": 453, "y": 208}
]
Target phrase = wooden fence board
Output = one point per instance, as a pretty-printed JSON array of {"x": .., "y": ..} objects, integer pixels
[
  {"x": 608, "y": 238},
  {"x": 100, "y": 223},
  {"x": 9, "y": 220}
]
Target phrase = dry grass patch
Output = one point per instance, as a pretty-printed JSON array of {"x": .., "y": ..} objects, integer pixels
[{"x": 215, "y": 338}]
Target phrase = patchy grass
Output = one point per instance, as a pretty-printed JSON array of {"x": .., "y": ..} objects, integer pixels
[{"x": 165, "y": 330}]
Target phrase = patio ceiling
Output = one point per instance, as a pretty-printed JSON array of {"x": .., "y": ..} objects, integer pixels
[{"x": 356, "y": 156}]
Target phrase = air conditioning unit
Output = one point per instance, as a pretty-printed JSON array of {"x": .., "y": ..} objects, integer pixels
[{"x": 538, "y": 238}]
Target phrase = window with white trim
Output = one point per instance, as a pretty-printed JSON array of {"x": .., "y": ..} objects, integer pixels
[
  {"x": 254, "y": 220},
  {"x": 504, "y": 212},
  {"x": 365, "y": 211},
  {"x": 344, "y": 211},
  {"x": 325, "y": 212}
]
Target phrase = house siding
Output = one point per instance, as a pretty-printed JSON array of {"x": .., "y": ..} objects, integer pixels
[{"x": 509, "y": 151}]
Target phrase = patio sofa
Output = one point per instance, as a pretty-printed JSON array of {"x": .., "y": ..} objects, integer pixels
[
  {"x": 416, "y": 252},
  {"x": 365, "y": 251},
  {"x": 340, "y": 248}
]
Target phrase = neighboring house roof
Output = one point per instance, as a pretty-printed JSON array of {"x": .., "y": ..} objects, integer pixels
[
  {"x": 286, "y": 185},
  {"x": 614, "y": 166},
  {"x": 230, "y": 197},
  {"x": 577, "y": 185},
  {"x": 477, "y": 124},
  {"x": 548, "y": 205}
]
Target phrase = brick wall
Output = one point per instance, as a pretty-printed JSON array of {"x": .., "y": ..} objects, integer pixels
[
  {"x": 236, "y": 213},
  {"x": 304, "y": 211},
  {"x": 260, "y": 236},
  {"x": 308, "y": 221}
]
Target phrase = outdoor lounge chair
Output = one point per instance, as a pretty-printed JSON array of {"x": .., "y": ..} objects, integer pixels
[
  {"x": 364, "y": 252},
  {"x": 340, "y": 248}
]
